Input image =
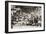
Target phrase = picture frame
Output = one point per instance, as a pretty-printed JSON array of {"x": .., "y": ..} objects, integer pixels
[{"x": 27, "y": 8}]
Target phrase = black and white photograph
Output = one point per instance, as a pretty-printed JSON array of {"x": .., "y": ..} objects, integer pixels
[{"x": 25, "y": 16}]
